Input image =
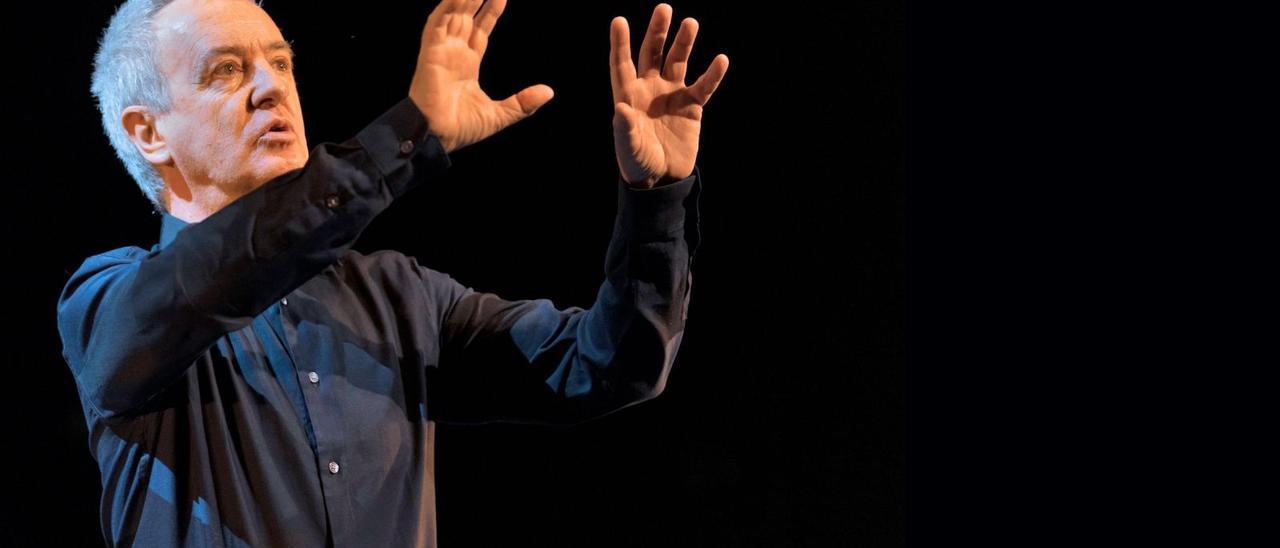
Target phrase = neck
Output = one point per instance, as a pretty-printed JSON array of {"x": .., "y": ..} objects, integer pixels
[
  {"x": 198, "y": 205},
  {"x": 195, "y": 203}
]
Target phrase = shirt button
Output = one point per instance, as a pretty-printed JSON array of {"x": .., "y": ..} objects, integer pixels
[
  {"x": 313, "y": 377},
  {"x": 406, "y": 147},
  {"x": 331, "y": 201},
  {"x": 333, "y": 467},
  {"x": 284, "y": 301}
]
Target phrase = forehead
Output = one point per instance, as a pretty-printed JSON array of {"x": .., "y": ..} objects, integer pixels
[{"x": 188, "y": 28}]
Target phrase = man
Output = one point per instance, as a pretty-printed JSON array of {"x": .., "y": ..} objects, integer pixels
[{"x": 251, "y": 380}]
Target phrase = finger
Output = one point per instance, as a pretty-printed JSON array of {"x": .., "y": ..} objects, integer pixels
[
  {"x": 488, "y": 16},
  {"x": 485, "y": 21},
  {"x": 449, "y": 7},
  {"x": 678, "y": 57},
  {"x": 457, "y": 17},
  {"x": 621, "y": 71},
  {"x": 442, "y": 19},
  {"x": 473, "y": 6},
  {"x": 706, "y": 85},
  {"x": 655, "y": 38},
  {"x": 466, "y": 7},
  {"x": 437, "y": 16},
  {"x": 523, "y": 104}
]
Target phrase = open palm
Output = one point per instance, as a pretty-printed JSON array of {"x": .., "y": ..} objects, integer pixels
[
  {"x": 446, "y": 84},
  {"x": 657, "y": 118}
]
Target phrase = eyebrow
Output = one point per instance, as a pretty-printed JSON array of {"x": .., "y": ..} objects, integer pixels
[{"x": 281, "y": 45}]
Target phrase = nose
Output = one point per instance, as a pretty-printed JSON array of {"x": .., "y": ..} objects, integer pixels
[{"x": 270, "y": 85}]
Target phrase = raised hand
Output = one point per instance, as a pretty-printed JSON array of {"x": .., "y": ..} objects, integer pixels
[
  {"x": 446, "y": 84},
  {"x": 657, "y": 118}
]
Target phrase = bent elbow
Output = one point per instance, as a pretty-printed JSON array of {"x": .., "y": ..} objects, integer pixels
[{"x": 120, "y": 383}]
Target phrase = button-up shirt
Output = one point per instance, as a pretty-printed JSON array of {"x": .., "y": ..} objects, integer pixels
[{"x": 252, "y": 380}]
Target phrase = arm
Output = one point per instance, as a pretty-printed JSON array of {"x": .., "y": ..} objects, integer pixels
[
  {"x": 586, "y": 363},
  {"x": 133, "y": 322},
  {"x": 529, "y": 362}
]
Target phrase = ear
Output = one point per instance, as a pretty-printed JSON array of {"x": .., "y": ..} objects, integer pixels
[{"x": 140, "y": 124}]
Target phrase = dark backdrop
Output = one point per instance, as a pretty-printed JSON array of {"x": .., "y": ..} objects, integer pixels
[{"x": 783, "y": 420}]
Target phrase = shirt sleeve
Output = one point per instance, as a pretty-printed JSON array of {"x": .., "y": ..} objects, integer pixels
[
  {"x": 530, "y": 362},
  {"x": 132, "y": 322}
]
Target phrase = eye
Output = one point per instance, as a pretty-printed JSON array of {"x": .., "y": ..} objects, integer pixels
[
  {"x": 283, "y": 65},
  {"x": 227, "y": 69}
]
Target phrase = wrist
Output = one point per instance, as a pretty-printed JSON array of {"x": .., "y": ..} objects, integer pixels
[{"x": 651, "y": 182}]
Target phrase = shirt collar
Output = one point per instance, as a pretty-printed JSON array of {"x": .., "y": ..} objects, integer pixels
[{"x": 169, "y": 228}]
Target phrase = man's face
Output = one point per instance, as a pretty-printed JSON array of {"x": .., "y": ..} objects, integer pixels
[{"x": 235, "y": 121}]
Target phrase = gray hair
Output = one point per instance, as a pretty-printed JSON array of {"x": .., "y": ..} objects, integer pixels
[{"x": 125, "y": 73}]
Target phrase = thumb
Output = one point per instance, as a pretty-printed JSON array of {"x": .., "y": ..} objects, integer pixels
[
  {"x": 523, "y": 104},
  {"x": 624, "y": 118}
]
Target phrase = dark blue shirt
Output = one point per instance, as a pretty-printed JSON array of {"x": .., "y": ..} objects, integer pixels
[{"x": 251, "y": 380}]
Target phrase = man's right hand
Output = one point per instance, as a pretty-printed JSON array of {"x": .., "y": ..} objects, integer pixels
[{"x": 446, "y": 84}]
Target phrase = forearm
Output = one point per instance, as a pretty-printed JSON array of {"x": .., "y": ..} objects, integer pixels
[
  {"x": 570, "y": 365},
  {"x": 248, "y": 255},
  {"x": 132, "y": 325},
  {"x": 637, "y": 322}
]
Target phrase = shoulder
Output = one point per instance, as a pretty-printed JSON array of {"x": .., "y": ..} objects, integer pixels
[
  {"x": 118, "y": 255},
  {"x": 91, "y": 281},
  {"x": 102, "y": 265}
]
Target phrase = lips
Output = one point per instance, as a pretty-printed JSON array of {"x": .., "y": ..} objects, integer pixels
[
  {"x": 277, "y": 129},
  {"x": 275, "y": 125}
]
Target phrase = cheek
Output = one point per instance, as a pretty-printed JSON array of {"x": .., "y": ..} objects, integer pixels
[
  {"x": 300, "y": 129},
  {"x": 301, "y": 126},
  {"x": 225, "y": 136},
  {"x": 211, "y": 132}
]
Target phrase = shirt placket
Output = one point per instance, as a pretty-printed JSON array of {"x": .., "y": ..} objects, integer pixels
[
  {"x": 282, "y": 364},
  {"x": 312, "y": 388}
]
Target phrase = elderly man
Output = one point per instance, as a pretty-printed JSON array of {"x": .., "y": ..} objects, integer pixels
[{"x": 251, "y": 380}]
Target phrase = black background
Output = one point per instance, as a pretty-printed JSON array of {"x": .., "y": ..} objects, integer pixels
[{"x": 783, "y": 423}]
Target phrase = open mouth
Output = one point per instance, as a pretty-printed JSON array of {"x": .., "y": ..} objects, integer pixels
[
  {"x": 279, "y": 131},
  {"x": 280, "y": 126}
]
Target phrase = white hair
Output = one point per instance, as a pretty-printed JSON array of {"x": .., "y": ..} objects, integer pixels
[{"x": 125, "y": 73}]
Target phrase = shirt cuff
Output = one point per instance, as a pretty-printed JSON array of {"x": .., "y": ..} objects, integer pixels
[
  {"x": 662, "y": 211},
  {"x": 399, "y": 137}
]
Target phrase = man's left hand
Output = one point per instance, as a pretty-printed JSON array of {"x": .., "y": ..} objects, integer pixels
[{"x": 657, "y": 118}]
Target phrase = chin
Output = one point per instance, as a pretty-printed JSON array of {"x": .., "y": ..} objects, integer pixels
[{"x": 276, "y": 166}]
